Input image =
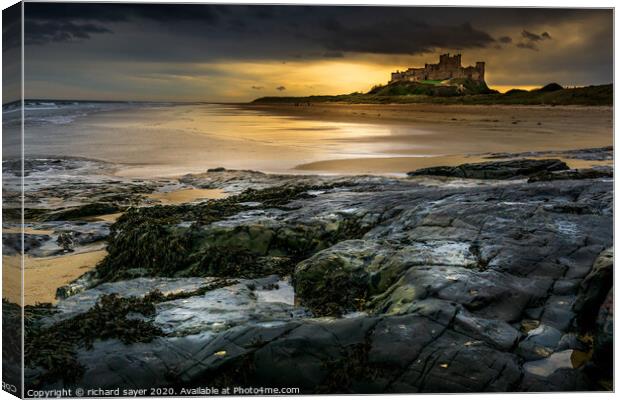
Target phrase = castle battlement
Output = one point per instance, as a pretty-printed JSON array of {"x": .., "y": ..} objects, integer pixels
[{"x": 447, "y": 68}]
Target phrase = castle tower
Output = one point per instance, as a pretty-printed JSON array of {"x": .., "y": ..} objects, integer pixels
[
  {"x": 480, "y": 68},
  {"x": 457, "y": 60}
]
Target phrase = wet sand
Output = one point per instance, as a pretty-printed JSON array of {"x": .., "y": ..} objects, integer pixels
[
  {"x": 577, "y": 118},
  {"x": 107, "y": 217},
  {"x": 43, "y": 275},
  {"x": 30, "y": 231},
  {"x": 454, "y": 134},
  {"x": 187, "y": 195}
]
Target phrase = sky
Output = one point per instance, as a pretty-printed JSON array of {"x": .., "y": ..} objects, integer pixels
[{"x": 237, "y": 53}]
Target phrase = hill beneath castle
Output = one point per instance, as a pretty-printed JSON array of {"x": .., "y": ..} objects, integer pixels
[{"x": 459, "y": 91}]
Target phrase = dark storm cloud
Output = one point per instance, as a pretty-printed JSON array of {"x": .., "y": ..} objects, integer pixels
[
  {"x": 58, "y": 31},
  {"x": 406, "y": 36},
  {"x": 530, "y": 40},
  {"x": 84, "y": 49},
  {"x": 124, "y": 12},
  {"x": 533, "y": 37},
  {"x": 267, "y": 32},
  {"x": 280, "y": 88},
  {"x": 530, "y": 36},
  {"x": 11, "y": 28},
  {"x": 52, "y": 22},
  {"x": 334, "y": 29}
]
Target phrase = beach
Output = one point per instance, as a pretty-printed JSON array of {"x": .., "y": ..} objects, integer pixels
[
  {"x": 327, "y": 139},
  {"x": 453, "y": 134},
  {"x": 170, "y": 140},
  {"x": 208, "y": 219}
]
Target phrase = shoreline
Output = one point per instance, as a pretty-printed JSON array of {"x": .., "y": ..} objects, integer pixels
[
  {"x": 378, "y": 133},
  {"x": 394, "y": 113},
  {"x": 356, "y": 166}
]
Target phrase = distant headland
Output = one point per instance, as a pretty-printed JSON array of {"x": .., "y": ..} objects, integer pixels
[{"x": 449, "y": 82}]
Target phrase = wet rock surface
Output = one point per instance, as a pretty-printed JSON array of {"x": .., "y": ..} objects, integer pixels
[
  {"x": 586, "y": 173},
  {"x": 401, "y": 285},
  {"x": 511, "y": 169},
  {"x": 592, "y": 154}
]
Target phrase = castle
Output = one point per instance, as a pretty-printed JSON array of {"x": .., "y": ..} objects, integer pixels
[{"x": 448, "y": 67}]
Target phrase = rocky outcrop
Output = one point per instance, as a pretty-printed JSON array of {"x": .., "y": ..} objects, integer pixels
[
  {"x": 399, "y": 287},
  {"x": 602, "y": 356},
  {"x": 595, "y": 317},
  {"x": 592, "y": 154},
  {"x": 586, "y": 173},
  {"x": 512, "y": 169},
  {"x": 594, "y": 289}
]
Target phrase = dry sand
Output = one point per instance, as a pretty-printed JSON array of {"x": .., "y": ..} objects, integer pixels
[{"x": 453, "y": 134}]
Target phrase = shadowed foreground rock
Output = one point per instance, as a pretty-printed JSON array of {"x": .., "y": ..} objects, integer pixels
[
  {"x": 512, "y": 169},
  {"x": 401, "y": 285}
]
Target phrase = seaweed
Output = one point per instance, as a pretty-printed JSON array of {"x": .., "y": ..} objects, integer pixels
[
  {"x": 332, "y": 289},
  {"x": 53, "y": 348},
  {"x": 152, "y": 241}
]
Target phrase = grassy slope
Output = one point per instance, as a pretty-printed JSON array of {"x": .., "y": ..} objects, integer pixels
[{"x": 429, "y": 93}]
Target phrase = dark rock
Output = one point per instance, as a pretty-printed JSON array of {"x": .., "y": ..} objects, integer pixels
[
  {"x": 65, "y": 241},
  {"x": 12, "y": 242},
  {"x": 553, "y": 374},
  {"x": 454, "y": 363},
  {"x": 594, "y": 289},
  {"x": 87, "y": 210},
  {"x": 495, "y": 170},
  {"x": 539, "y": 343},
  {"x": 340, "y": 278},
  {"x": 592, "y": 154},
  {"x": 571, "y": 341},
  {"x": 455, "y": 289},
  {"x": 603, "y": 348},
  {"x": 498, "y": 334},
  {"x": 558, "y": 312},
  {"x": 533, "y": 313},
  {"x": 586, "y": 173},
  {"x": 566, "y": 286}
]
